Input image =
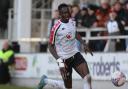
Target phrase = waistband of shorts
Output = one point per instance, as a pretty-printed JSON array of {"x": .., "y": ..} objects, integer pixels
[{"x": 74, "y": 55}]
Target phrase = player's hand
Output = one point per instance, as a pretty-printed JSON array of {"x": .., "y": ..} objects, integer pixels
[
  {"x": 62, "y": 67},
  {"x": 87, "y": 49}
]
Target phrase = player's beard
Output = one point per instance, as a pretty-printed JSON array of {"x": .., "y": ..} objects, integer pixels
[{"x": 65, "y": 20}]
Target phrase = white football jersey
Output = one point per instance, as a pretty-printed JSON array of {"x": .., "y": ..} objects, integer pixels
[{"x": 63, "y": 37}]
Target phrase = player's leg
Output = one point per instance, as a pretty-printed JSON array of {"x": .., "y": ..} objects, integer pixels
[
  {"x": 55, "y": 83},
  {"x": 81, "y": 67},
  {"x": 68, "y": 84},
  {"x": 68, "y": 79},
  {"x": 58, "y": 84},
  {"x": 42, "y": 82}
]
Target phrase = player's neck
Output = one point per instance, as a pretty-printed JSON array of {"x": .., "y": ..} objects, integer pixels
[{"x": 64, "y": 21}]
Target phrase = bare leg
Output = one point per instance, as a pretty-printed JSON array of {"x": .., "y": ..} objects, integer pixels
[
  {"x": 54, "y": 83},
  {"x": 83, "y": 70}
]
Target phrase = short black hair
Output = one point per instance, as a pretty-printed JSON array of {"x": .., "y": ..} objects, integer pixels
[{"x": 63, "y": 5}]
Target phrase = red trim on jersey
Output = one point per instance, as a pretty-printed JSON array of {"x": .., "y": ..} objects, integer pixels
[{"x": 53, "y": 31}]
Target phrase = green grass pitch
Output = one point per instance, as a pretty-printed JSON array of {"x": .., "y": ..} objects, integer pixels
[{"x": 12, "y": 87}]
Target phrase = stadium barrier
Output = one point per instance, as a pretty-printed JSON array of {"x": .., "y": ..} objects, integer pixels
[{"x": 101, "y": 65}]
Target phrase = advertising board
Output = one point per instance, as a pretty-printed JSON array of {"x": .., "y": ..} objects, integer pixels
[{"x": 101, "y": 65}]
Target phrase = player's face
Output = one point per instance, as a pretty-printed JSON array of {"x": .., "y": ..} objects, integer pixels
[{"x": 65, "y": 14}]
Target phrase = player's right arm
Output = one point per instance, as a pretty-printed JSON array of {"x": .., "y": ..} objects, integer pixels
[
  {"x": 60, "y": 61},
  {"x": 51, "y": 44},
  {"x": 53, "y": 50}
]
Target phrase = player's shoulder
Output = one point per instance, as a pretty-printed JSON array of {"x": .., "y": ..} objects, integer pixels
[
  {"x": 57, "y": 24},
  {"x": 72, "y": 19}
]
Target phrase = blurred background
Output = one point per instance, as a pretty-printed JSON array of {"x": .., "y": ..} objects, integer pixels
[{"x": 103, "y": 24}]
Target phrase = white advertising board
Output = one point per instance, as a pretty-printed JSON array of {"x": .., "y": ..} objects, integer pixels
[
  {"x": 101, "y": 65},
  {"x": 23, "y": 65}
]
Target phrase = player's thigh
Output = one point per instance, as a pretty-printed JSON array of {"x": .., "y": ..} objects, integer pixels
[{"x": 80, "y": 65}]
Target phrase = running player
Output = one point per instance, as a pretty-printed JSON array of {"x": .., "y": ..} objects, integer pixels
[{"x": 63, "y": 46}]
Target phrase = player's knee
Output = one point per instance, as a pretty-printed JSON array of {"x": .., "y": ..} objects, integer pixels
[{"x": 87, "y": 78}]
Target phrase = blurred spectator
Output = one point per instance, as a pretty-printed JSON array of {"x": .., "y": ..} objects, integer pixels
[
  {"x": 6, "y": 60},
  {"x": 102, "y": 17},
  {"x": 102, "y": 13},
  {"x": 76, "y": 15},
  {"x": 126, "y": 12},
  {"x": 118, "y": 8},
  {"x": 121, "y": 17},
  {"x": 53, "y": 21},
  {"x": 114, "y": 27},
  {"x": 83, "y": 17},
  {"x": 90, "y": 18},
  {"x": 95, "y": 45}
]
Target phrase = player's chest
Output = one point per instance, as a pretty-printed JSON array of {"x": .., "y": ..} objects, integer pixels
[{"x": 66, "y": 30}]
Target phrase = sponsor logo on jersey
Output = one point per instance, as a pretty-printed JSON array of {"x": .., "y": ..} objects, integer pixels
[{"x": 69, "y": 35}]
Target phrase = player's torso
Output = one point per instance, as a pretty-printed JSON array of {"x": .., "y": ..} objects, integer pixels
[{"x": 65, "y": 40}]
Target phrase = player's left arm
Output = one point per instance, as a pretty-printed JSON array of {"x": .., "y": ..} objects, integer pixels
[{"x": 86, "y": 48}]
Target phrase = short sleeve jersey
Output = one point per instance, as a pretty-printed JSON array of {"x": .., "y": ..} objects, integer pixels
[{"x": 63, "y": 37}]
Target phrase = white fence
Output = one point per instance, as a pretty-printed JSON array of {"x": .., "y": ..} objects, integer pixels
[{"x": 89, "y": 30}]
